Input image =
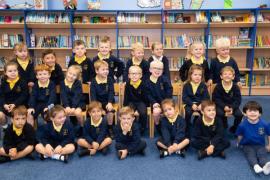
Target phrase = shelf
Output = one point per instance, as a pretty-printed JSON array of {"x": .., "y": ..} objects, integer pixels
[
  {"x": 244, "y": 69},
  {"x": 261, "y": 70},
  {"x": 244, "y": 91},
  {"x": 260, "y": 90},
  {"x": 53, "y": 48},
  {"x": 263, "y": 47},
  {"x": 139, "y": 25},
  {"x": 175, "y": 48},
  {"x": 232, "y": 24},
  {"x": 263, "y": 24},
  {"x": 184, "y": 25},
  {"x": 146, "y": 48},
  {"x": 12, "y": 26},
  {"x": 48, "y": 26},
  {"x": 95, "y": 26},
  {"x": 241, "y": 47},
  {"x": 6, "y": 48}
]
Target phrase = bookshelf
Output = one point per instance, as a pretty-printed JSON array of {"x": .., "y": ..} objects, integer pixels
[{"x": 167, "y": 26}]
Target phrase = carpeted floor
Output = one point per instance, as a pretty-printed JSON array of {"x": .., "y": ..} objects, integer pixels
[{"x": 138, "y": 167}]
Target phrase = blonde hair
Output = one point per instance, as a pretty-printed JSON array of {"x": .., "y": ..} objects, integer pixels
[
  {"x": 192, "y": 69},
  {"x": 227, "y": 68},
  {"x": 94, "y": 104},
  {"x": 78, "y": 70},
  {"x": 100, "y": 63},
  {"x": 42, "y": 67},
  {"x": 156, "y": 63},
  {"x": 192, "y": 46},
  {"x": 155, "y": 44},
  {"x": 137, "y": 46},
  {"x": 207, "y": 103},
  {"x": 223, "y": 42},
  {"x": 20, "y": 110},
  {"x": 105, "y": 39},
  {"x": 135, "y": 68},
  {"x": 19, "y": 47},
  {"x": 167, "y": 102},
  {"x": 126, "y": 110}
]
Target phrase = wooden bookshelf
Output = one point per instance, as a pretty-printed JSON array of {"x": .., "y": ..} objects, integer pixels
[
  {"x": 12, "y": 26},
  {"x": 263, "y": 24},
  {"x": 139, "y": 25},
  {"x": 184, "y": 25},
  {"x": 53, "y": 48},
  {"x": 95, "y": 25},
  {"x": 231, "y": 24},
  {"x": 260, "y": 90},
  {"x": 48, "y": 25}
]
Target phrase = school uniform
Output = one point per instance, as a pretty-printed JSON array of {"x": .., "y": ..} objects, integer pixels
[
  {"x": 15, "y": 92},
  {"x": 71, "y": 94},
  {"x": 165, "y": 61},
  {"x": 41, "y": 97},
  {"x": 57, "y": 74},
  {"x": 183, "y": 72},
  {"x": 116, "y": 66},
  {"x": 50, "y": 135},
  {"x": 20, "y": 139},
  {"x": 231, "y": 98},
  {"x": 144, "y": 65},
  {"x": 253, "y": 141},
  {"x": 217, "y": 65},
  {"x": 206, "y": 134},
  {"x": 26, "y": 70},
  {"x": 131, "y": 141}
]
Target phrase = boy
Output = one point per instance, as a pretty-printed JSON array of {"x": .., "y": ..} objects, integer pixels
[
  {"x": 80, "y": 59},
  {"x": 114, "y": 63},
  {"x": 136, "y": 95},
  {"x": 209, "y": 133},
  {"x": 127, "y": 135},
  {"x": 43, "y": 94},
  {"x": 19, "y": 139},
  {"x": 173, "y": 137},
  {"x": 251, "y": 136},
  {"x": 227, "y": 96}
]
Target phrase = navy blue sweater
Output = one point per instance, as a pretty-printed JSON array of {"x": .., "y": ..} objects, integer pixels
[
  {"x": 29, "y": 73},
  {"x": 166, "y": 68},
  {"x": 144, "y": 66},
  {"x": 57, "y": 74}
]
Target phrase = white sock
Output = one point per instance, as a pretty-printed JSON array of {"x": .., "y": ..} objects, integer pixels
[
  {"x": 257, "y": 168},
  {"x": 266, "y": 168},
  {"x": 45, "y": 156},
  {"x": 56, "y": 156},
  {"x": 178, "y": 152},
  {"x": 166, "y": 153}
]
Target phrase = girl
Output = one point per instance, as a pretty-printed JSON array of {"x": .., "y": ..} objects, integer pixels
[
  {"x": 157, "y": 54},
  {"x": 25, "y": 65},
  {"x": 71, "y": 93},
  {"x": 14, "y": 92},
  {"x": 195, "y": 55},
  {"x": 194, "y": 92}
]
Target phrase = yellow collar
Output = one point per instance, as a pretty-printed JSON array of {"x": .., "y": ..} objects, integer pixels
[
  {"x": 101, "y": 81},
  {"x": 18, "y": 131},
  {"x": 95, "y": 124},
  {"x": 194, "y": 87},
  {"x": 44, "y": 85},
  {"x": 196, "y": 61},
  {"x": 79, "y": 60},
  {"x": 13, "y": 82},
  {"x": 68, "y": 84},
  {"x": 52, "y": 68},
  {"x": 135, "y": 84},
  {"x": 23, "y": 63},
  {"x": 156, "y": 58},
  {"x": 226, "y": 88},
  {"x": 153, "y": 79},
  {"x": 207, "y": 123},
  {"x": 136, "y": 62},
  {"x": 101, "y": 57},
  {"x": 223, "y": 60},
  {"x": 172, "y": 120},
  {"x": 57, "y": 128}
]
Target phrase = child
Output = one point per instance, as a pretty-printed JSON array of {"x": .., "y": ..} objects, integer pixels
[
  {"x": 227, "y": 96},
  {"x": 57, "y": 138},
  {"x": 49, "y": 58},
  {"x": 173, "y": 137},
  {"x": 116, "y": 66},
  {"x": 102, "y": 90},
  {"x": 160, "y": 87},
  {"x": 95, "y": 132},
  {"x": 14, "y": 92},
  {"x": 157, "y": 54},
  {"x": 209, "y": 133},
  {"x": 19, "y": 139},
  {"x": 137, "y": 53},
  {"x": 223, "y": 59},
  {"x": 251, "y": 135},
  {"x": 81, "y": 59},
  {"x": 43, "y": 94},
  {"x": 25, "y": 65},
  {"x": 195, "y": 55},
  {"x": 194, "y": 92},
  {"x": 71, "y": 93},
  {"x": 127, "y": 135},
  {"x": 136, "y": 95}
]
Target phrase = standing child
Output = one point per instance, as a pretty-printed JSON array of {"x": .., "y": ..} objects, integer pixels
[
  {"x": 157, "y": 54},
  {"x": 19, "y": 139},
  {"x": 116, "y": 66},
  {"x": 57, "y": 138},
  {"x": 14, "y": 92},
  {"x": 136, "y": 95},
  {"x": 102, "y": 90},
  {"x": 173, "y": 131},
  {"x": 25, "y": 65},
  {"x": 95, "y": 132},
  {"x": 194, "y": 92},
  {"x": 209, "y": 137},
  {"x": 137, "y": 52},
  {"x": 127, "y": 135},
  {"x": 71, "y": 93},
  {"x": 160, "y": 87},
  {"x": 195, "y": 55},
  {"x": 43, "y": 94},
  {"x": 81, "y": 60},
  {"x": 251, "y": 136},
  {"x": 227, "y": 96},
  {"x": 223, "y": 59}
]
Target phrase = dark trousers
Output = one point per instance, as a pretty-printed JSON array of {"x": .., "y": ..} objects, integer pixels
[
  {"x": 237, "y": 117},
  {"x": 141, "y": 146},
  {"x": 255, "y": 154},
  {"x": 201, "y": 144},
  {"x": 188, "y": 116},
  {"x": 142, "y": 109}
]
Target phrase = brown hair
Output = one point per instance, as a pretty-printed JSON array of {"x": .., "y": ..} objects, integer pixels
[
  {"x": 252, "y": 105},
  {"x": 167, "y": 102},
  {"x": 207, "y": 103},
  {"x": 100, "y": 63},
  {"x": 104, "y": 39},
  {"x": 48, "y": 51},
  {"x": 10, "y": 63},
  {"x": 78, "y": 42},
  {"x": 42, "y": 67},
  {"x": 126, "y": 110},
  {"x": 94, "y": 104},
  {"x": 20, "y": 110},
  {"x": 19, "y": 47},
  {"x": 155, "y": 44},
  {"x": 55, "y": 110},
  {"x": 192, "y": 69},
  {"x": 227, "y": 68}
]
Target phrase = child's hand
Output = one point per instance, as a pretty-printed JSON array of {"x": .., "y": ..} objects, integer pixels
[
  {"x": 58, "y": 150},
  {"x": 199, "y": 107},
  {"x": 45, "y": 109},
  {"x": 268, "y": 148},
  {"x": 209, "y": 82},
  {"x": 48, "y": 150},
  {"x": 92, "y": 151},
  {"x": 68, "y": 110},
  {"x": 136, "y": 113},
  {"x": 124, "y": 153},
  {"x": 30, "y": 84},
  {"x": 239, "y": 84},
  {"x": 72, "y": 110},
  {"x": 210, "y": 150},
  {"x": 89, "y": 83},
  {"x": 194, "y": 107},
  {"x": 6, "y": 106},
  {"x": 226, "y": 108},
  {"x": 11, "y": 107},
  {"x": 30, "y": 111},
  {"x": 109, "y": 107},
  {"x": 12, "y": 152},
  {"x": 95, "y": 145}
]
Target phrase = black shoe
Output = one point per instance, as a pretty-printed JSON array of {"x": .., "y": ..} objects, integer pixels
[
  {"x": 83, "y": 152},
  {"x": 119, "y": 154},
  {"x": 163, "y": 154},
  {"x": 105, "y": 150},
  {"x": 41, "y": 157},
  {"x": 222, "y": 155},
  {"x": 181, "y": 153},
  {"x": 31, "y": 156},
  {"x": 202, "y": 154},
  {"x": 4, "y": 159},
  {"x": 232, "y": 129},
  {"x": 142, "y": 152}
]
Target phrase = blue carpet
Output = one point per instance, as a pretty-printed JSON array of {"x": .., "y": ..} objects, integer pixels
[{"x": 138, "y": 167}]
